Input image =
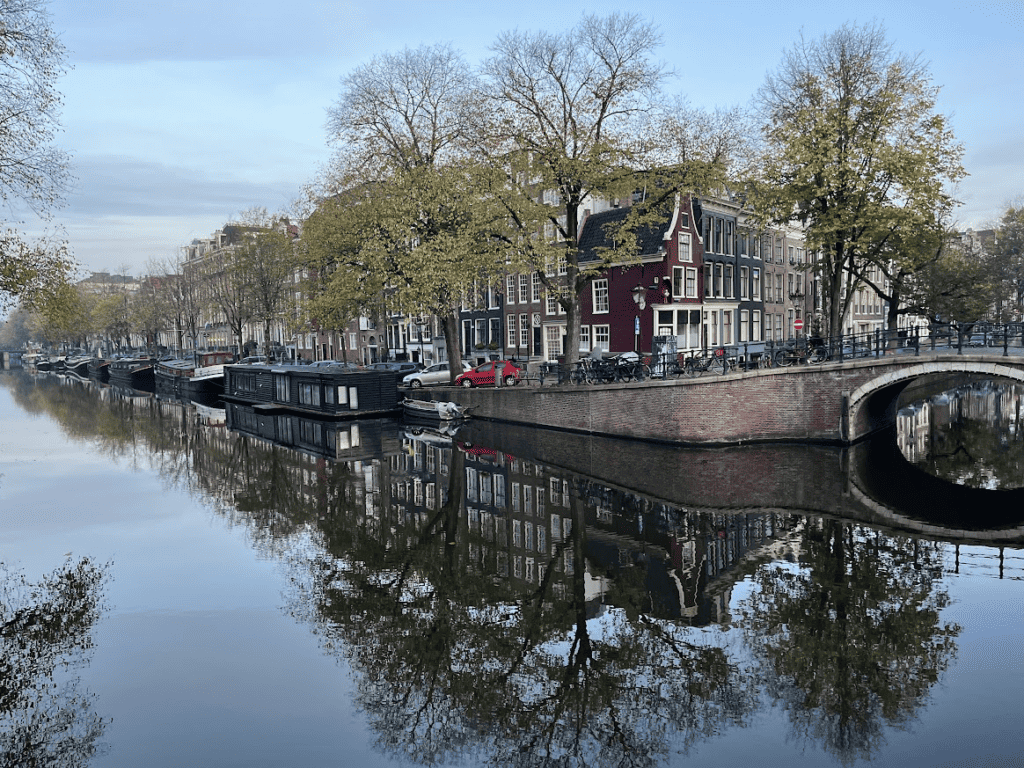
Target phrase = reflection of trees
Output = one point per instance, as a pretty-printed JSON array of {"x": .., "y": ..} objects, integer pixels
[
  {"x": 455, "y": 661},
  {"x": 44, "y": 627},
  {"x": 852, "y": 640}
]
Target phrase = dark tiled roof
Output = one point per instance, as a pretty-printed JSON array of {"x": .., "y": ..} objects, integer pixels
[{"x": 595, "y": 233}]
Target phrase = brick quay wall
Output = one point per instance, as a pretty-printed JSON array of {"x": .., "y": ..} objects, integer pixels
[{"x": 836, "y": 403}]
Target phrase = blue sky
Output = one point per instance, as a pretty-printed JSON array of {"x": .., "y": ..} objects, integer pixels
[{"x": 180, "y": 115}]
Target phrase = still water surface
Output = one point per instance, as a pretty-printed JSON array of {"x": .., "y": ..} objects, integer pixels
[{"x": 179, "y": 591}]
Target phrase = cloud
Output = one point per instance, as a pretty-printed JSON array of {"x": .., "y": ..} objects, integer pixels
[{"x": 122, "y": 186}]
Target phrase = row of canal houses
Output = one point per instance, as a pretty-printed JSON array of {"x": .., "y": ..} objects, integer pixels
[{"x": 703, "y": 277}]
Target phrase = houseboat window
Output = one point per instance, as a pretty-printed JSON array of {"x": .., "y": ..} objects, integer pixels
[
  {"x": 281, "y": 385},
  {"x": 329, "y": 395},
  {"x": 309, "y": 394},
  {"x": 353, "y": 398}
]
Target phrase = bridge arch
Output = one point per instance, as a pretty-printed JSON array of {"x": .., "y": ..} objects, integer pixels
[{"x": 872, "y": 405}]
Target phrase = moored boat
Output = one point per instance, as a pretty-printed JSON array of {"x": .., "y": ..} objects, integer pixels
[
  {"x": 77, "y": 366},
  {"x": 133, "y": 372},
  {"x": 99, "y": 369},
  {"x": 321, "y": 392},
  {"x": 430, "y": 412},
  {"x": 199, "y": 377}
]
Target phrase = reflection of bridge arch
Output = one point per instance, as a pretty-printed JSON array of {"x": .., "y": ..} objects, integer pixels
[{"x": 873, "y": 403}]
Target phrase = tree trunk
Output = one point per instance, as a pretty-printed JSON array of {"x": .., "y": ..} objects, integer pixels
[{"x": 450, "y": 322}]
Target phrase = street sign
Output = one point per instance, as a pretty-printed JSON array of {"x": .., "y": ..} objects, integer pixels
[{"x": 798, "y": 324}]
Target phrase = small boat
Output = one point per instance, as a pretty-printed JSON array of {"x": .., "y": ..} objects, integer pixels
[{"x": 433, "y": 412}]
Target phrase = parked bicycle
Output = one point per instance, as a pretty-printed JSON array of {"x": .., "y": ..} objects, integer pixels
[{"x": 714, "y": 360}]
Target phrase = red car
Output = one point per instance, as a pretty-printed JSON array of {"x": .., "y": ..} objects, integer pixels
[{"x": 483, "y": 375}]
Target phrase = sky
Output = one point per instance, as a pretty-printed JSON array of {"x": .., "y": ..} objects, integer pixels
[{"x": 180, "y": 115}]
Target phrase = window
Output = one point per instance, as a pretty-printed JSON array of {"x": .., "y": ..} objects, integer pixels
[
  {"x": 536, "y": 287},
  {"x": 309, "y": 394},
  {"x": 524, "y": 289},
  {"x": 778, "y": 287},
  {"x": 767, "y": 326},
  {"x": 601, "y": 337},
  {"x": 707, "y": 280},
  {"x": 755, "y": 326},
  {"x": 677, "y": 281},
  {"x": 729, "y": 283},
  {"x": 691, "y": 282},
  {"x": 718, "y": 280},
  {"x": 281, "y": 387},
  {"x": 496, "y": 331},
  {"x": 755, "y": 283},
  {"x": 510, "y": 289},
  {"x": 744, "y": 282},
  {"x": 524, "y": 331},
  {"x": 584, "y": 338},
  {"x": 553, "y": 341},
  {"x": 600, "y": 289},
  {"x": 727, "y": 330},
  {"x": 685, "y": 250},
  {"x": 744, "y": 324},
  {"x": 511, "y": 323},
  {"x": 552, "y": 304}
]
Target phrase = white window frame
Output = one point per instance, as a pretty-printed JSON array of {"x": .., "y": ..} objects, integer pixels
[
  {"x": 755, "y": 291},
  {"x": 600, "y": 297},
  {"x": 511, "y": 323},
  {"x": 685, "y": 248},
  {"x": 602, "y": 337},
  {"x": 691, "y": 282}
]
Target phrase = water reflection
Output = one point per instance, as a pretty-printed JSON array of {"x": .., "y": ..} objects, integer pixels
[
  {"x": 509, "y": 596},
  {"x": 970, "y": 435},
  {"x": 45, "y": 634}
]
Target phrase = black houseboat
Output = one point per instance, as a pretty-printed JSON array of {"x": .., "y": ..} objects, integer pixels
[
  {"x": 201, "y": 377},
  {"x": 99, "y": 370},
  {"x": 132, "y": 372},
  {"x": 313, "y": 391}
]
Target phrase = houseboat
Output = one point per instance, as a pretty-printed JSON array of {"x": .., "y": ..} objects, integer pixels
[
  {"x": 99, "y": 370},
  {"x": 77, "y": 365},
  {"x": 321, "y": 392},
  {"x": 133, "y": 373},
  {"x": 200, "y": 377}
]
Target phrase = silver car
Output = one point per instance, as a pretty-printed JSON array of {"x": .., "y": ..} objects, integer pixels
[{"x": 435, "y": 374}]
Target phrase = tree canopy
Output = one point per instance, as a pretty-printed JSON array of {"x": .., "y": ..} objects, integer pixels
[
  {"x": 855, "y": 152},
  {"x": 34, "y": 174}
]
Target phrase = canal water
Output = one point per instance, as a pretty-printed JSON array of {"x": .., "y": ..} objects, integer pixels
[{"x": 197, "y": 586}]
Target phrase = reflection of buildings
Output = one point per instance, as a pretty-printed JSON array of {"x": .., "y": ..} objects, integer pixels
[{"x": 922, "y": 428}]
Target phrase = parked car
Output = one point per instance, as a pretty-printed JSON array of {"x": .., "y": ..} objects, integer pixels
[
  {"x": 434, "y": 374},
  {"x": 402, "y": 369},
  {"x": 483, "y": 375},
  {"x": 337, "y": 364}
]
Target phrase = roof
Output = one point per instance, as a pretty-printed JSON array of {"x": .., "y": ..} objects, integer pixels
[{"x": 595, "y": 234}]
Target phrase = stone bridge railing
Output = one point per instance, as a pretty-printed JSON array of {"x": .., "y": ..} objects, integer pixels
[{"x": 832, "y": 402}]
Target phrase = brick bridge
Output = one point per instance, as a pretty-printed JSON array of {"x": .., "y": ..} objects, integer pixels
[{"x": 838, "y": 403}]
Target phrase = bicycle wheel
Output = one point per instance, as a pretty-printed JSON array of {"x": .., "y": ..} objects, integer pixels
[
  {"x": 818, "y": 355},
  {"x": 783, "y": 359},
  {"x": 691, "y": 369},
  {"x": 720, "y": 365}
]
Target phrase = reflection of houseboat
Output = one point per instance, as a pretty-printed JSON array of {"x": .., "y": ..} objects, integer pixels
[
  {"x": 133, "y": 372},
  {"x": 192, "y": 378},
  {"x": 312, "y": 391},
  {"x": 354, "y": 440}
]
